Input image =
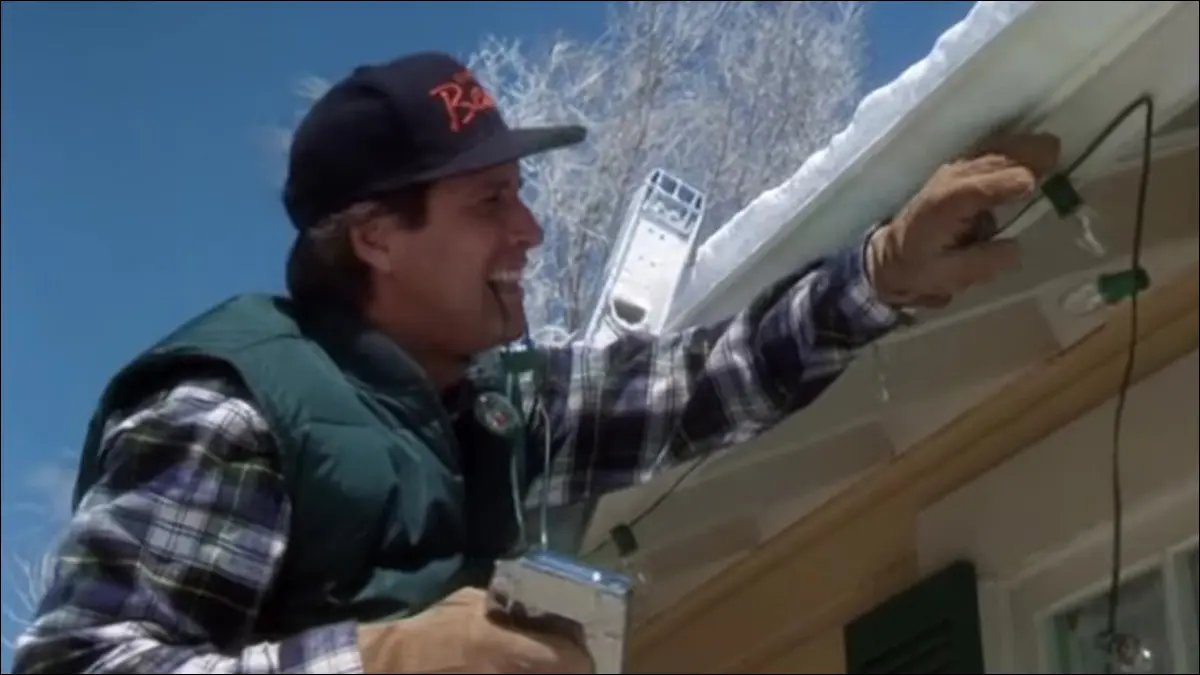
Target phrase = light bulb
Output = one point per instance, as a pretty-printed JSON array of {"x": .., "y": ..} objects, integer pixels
[
  {"x": 628, "y": 554},
  {"x": 1127, "y": 653},
  {"x": 630, "y": 568},
  {"x": 1069, "y": 205},
  {"x": 1088, "y": 219},
  {"x": 1105, "y": 290},
  {"x": 1081, "y": 300}
]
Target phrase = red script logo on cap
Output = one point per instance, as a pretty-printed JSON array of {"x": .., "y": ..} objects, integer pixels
[{"x": 464, "y": 99}]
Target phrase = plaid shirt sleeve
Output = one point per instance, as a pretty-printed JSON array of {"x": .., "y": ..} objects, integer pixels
[
  {"x": 166, "y": 563},
  {"x": 617, "y": 415}
]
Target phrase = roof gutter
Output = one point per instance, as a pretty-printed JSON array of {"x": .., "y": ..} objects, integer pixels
[{"x": 1012, "y": 81}]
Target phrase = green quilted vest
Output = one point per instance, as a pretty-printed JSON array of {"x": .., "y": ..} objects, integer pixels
[{"x": 396, "y": 502}]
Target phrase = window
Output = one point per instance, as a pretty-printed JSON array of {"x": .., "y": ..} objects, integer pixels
[
  {"x": 1194, "y": 574},
  {"x": 1193, "y": 631},
  {"x": 1076, "y": 632},
  {"x": 1157, "y": 606}
]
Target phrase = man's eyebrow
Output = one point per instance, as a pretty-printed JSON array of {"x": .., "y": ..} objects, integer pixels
[{"x": 503, "y": 184}]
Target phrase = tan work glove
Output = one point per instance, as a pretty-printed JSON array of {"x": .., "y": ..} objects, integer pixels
[
  {"x": 939, "y": 244},
  {"x": 456, "y": 636}
]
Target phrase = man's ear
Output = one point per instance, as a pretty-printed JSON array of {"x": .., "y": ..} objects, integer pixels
[{"x": 372, "y": 239}]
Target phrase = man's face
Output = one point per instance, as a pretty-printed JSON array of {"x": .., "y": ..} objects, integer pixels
[{"x": 455, "y": 282}]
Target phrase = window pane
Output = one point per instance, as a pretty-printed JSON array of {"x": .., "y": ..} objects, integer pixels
[{"x": 1142, "y": 613}]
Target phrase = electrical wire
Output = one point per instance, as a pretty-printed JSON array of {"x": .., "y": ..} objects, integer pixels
[
  {"x": 1146, "y": 103},
  {"x": 658, "y": 501}
]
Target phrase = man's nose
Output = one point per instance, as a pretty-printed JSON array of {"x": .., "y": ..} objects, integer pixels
[{"x": 524, "y": 230}]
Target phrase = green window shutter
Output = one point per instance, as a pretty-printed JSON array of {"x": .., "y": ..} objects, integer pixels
[{"x": 930, "y": 628}]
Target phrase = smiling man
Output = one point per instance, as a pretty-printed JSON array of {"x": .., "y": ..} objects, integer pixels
[{"x": 313, "y": 484}]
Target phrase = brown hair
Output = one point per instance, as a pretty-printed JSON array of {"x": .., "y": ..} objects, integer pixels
[{"x": 322, "y": 267}]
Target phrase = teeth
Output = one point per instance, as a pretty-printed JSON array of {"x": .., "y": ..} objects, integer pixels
[{"x": 507, "y": 277}]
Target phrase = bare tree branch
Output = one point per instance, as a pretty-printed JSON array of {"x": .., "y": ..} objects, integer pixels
[
  {"x": 25, "y": 582},
  {"x": 31, "y": 528}
]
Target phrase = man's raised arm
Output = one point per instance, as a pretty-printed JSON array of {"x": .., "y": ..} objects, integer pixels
[{"x": 617, "y": 414}]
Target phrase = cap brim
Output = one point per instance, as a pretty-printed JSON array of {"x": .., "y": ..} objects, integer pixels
[{"x": 510, "y": 146}]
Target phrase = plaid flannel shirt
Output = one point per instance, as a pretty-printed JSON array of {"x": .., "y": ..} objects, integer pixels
[{"x": 169, "y": 556}]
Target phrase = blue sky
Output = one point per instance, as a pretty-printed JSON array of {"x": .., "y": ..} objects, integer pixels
[{"x": 138, "y": 186}]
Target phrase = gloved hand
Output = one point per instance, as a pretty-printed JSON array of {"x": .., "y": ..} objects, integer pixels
[
  {"x": 456, "y": 636},
  {"x": 938, "y": 244}
]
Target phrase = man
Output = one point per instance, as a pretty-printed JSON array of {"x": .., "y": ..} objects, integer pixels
[{"x": 315, "y": 484}]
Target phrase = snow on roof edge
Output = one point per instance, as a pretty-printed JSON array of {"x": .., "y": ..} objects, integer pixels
[{"x": 735, "y": 245}]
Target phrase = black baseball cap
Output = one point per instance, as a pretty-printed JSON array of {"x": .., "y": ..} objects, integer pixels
[{"x": 413, "y": 120}]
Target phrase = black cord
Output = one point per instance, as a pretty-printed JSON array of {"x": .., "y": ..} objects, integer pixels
[
  {"x": 1114, "y": 586},
  {"x": 625, "y": 528},
  {"x": 658, "y": 501},
  {"x": 1110, "y": 637}
]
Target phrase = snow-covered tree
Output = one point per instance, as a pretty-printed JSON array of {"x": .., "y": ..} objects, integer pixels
[
  {"x": 25, "y": 580},
  {"x": 32, "y": 525},
  {"x": 731, "y": 96}
]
